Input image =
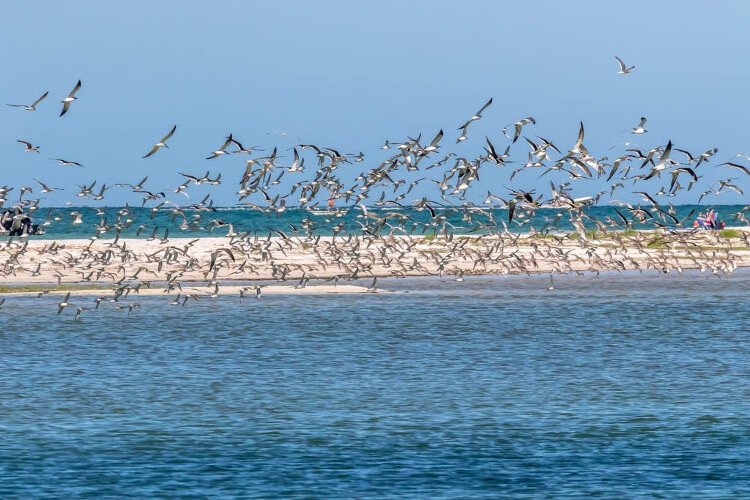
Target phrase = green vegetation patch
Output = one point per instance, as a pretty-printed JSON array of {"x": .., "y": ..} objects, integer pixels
[
  {"x": 33, "y": 288},
  {"x": 730, "y": 233}
]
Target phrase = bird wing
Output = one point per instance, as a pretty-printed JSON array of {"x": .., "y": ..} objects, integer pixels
[
  {"x": 170, "y": 134},
  {"x": 226, "y": 143},
  {"x": 666, "y": 152},
  {"x": 239, "y": 145},
  {"x": 28, "y": 144},
  {"x": 689, "y": 171},
  {"x": 686, "y": 153},
  {"x": 622, "y": 64},
  {"x": 517, "y": 133},
  {"x": 737, "y": 166},
  {"x": 487, "y": 105},
  {"x": 75, "y": 89},
  {"x": 579, "y": 140},
  {"x": 491, "y": 148},
  {"x": 153, "y": 150},
  {"x": 40, "y": 99},
  {"x": 437, "y": 138},
  {"x": 66, "y": 105}
]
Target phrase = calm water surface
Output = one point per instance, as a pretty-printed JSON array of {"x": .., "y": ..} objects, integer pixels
[{"x": 619, "y": 386}]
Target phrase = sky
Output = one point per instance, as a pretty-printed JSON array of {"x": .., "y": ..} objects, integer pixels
[{"x": 350, "y": 74}]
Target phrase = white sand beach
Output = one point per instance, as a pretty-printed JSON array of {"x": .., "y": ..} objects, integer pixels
[{"x": 156, "y": 266}]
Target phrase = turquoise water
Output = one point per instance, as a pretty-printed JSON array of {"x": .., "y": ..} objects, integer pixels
[
  {"x": 627, "y": 385},
  {"x": 252, "y": 221}
]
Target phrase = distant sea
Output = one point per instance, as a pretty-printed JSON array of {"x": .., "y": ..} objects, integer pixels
[
  {"x": 253, "y": 221},
  {"x": 617, "y": 386}
]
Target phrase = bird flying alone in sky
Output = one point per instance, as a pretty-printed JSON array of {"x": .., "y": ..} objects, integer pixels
[{"x": 624, "y": 70}]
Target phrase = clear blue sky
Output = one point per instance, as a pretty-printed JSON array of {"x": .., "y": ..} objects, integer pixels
[{"x": 349, "y": 74}]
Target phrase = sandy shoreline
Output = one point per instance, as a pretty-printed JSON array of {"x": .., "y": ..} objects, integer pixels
[
  {"x": 222, "y": 265},
  {"x": 198, "y": 291}
]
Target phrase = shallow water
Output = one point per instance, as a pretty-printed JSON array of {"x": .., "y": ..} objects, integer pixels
[{"x": 624, "y": 385}]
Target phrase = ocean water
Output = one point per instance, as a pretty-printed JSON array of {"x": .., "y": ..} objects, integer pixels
[
  {"x": 61, "y": 220},
  {"x": 616, "y": 386}
]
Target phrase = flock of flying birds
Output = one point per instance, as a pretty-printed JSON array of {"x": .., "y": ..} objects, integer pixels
[{"x": 387, "y": 239}]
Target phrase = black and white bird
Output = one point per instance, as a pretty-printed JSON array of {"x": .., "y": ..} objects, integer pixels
[
  {"x": 32, "y": 106},
  {"x": 640, "y": 128},
  {"x": 46, "y": 188},
  {"x": 162, "y": 143},
  {"x": 223, "y": 149},
  {"x": 476, "y": 116},
  {"x": 71, "y": 97},
  {"x": 65, "y": 303},
  {"x": 66, "y": 163},
  {"x": 624, "y": 70},
  {"x": 30, "y": 148}
]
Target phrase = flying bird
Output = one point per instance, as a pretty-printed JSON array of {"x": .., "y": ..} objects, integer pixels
[
  {"x": 66, "y": 163},
  {"x": 65, "y": 303},
  {"x": 32, "y": 106},
  {"x": 433, "y": 146},
  {"x": 71, "y": 97},
  {"x": 46, "y": 188},
  {"x": 640, "y": 128},
  {"x": 162, "y": 143},
  {"x": 222, "y": 150},
  {"x": 624, "y": 70},
  {"x": 476, "y": 116},
  {"x": 30, "y": 148},
  {"x": 737, "y": 166},
  {"x": 518, "y": 126}
]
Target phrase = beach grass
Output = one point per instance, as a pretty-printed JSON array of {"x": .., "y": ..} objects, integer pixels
[
  {"x": 730, "y": 233},
  {"x": 38, "y": 288},
  {"x": 657, "y": 242}
]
